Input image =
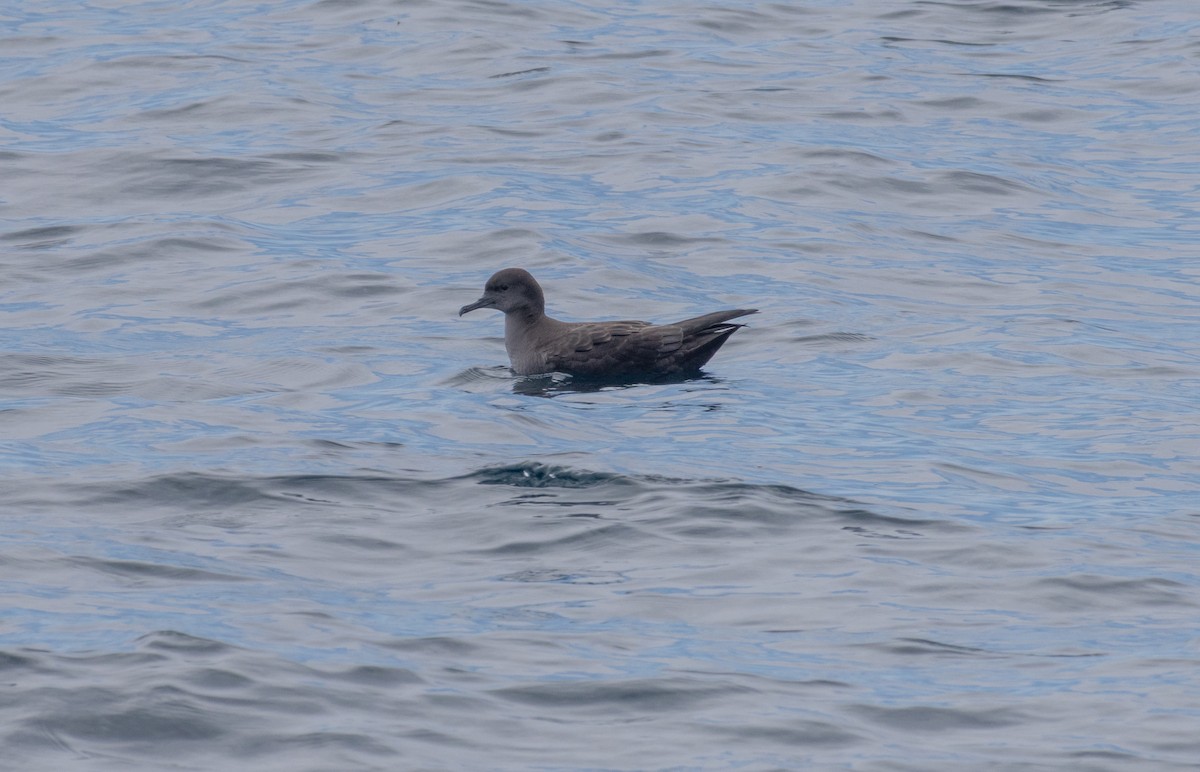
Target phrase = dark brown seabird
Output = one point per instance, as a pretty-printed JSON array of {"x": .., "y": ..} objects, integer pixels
[{"x": 538, "y": 344}]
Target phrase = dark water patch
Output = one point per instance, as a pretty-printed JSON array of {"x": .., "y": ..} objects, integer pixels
[
  {"x": 955, "y": 103},
  {"x": 977, "y": 182},
  {"x": 323, "y": 743},
  {"x": 46, "y": 237},
  {"x": 907, "y": 647},
  {"x": 376, "y": 676},
  {"x": 161, "y": 722},
  {"x": 216, "y": 679},
  {"x": 482, "y": 377},
  {"x": 797, "y": 734},
  {"x": 367, "y": 544},
  {"x": 835, "y": 339},
  {"x": 1103, "y": 759},
  {"x": 185, "y": 491},
  {"x": 538, "y": 475},
  {"x": 588, "y": 538},
  {"x": 516, "y": 73},
  {"x": 131, "y": 257},
  {"x": 940, "y": 41},
  {"x": 438, "y": 645},
  {"x": 192, "y": 111},
  {"x": 664, "y": 239},
  {"x": 308, "y": 156},
  {"x": 45, "y": 374},
  {"x": 191, "y": 177},
  {"x": 1016, "y": 76},
  {"x": 592, "y": 697},
  {"x": 21, "y": 662},
  {"x": 856, "y": 157},
  {"x": 156, "y": 247},
  {"x": 590, "y": 501},
  {"x": 563, "y": 577},
  {"x": 708, "y": 500},
  {"x": 918, "y": 647},
  {"x": 1084, "y": 591},
  {"x": 140, "y": 573},
  {"x": 928, "y": 719},
  {"x": 363, "y": 285}
]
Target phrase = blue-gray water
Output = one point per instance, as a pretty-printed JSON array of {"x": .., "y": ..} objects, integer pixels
[{"x": 269, "y": 505}]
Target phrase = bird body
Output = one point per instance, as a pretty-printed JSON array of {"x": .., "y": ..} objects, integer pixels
[{"x": 536, "y": 343}]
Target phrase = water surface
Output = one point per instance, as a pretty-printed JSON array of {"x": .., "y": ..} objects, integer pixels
[{"x": 268, "y": 503}]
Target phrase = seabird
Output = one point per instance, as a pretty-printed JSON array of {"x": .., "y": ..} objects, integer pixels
[{"x": 538, "y": 344}]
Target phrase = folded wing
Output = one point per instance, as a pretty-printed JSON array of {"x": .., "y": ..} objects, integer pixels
[{"x": 614, "y": 349}]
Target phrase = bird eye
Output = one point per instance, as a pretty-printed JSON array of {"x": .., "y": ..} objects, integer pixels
[{"x": 502, "y": 287}]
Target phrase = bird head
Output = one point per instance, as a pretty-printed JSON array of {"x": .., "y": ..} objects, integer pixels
[{"x": 509, "y": 290}]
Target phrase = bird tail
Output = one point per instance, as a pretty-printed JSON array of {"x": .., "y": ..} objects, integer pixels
[
  {"x": 714, "y": 322},
  {"x": 709, "y": 333}
]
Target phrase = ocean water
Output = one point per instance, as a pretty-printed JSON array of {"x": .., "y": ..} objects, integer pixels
[{"x": 268, "y": 504}]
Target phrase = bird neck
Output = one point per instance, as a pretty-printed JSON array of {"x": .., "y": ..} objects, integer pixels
[{"x": 523, "y": 317}]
